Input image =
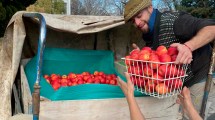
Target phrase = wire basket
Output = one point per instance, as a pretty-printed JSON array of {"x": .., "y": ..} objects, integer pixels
[{"x": 157, "y": 79}]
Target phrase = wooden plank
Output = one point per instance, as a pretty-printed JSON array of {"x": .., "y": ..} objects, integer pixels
[
  {"x": 26, "y": 94},
  {"x": 108, "y": 109},
  {"x": 18, "y": 108}
]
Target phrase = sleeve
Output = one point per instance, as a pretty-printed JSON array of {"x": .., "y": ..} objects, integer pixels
[{"x": 187, "y": 26}]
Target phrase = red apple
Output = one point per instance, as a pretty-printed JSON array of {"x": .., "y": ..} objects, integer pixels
[
  {"x": 172, "y": 51},
  {"x": 89, "y": 80},
  {"x": 107, "y": 81},
  {"x": 177, "y": 83},
  {"x": 97, "y": 81},
  {"x": 138, "y": 81},
  {"x": 181, "y": 73},
  {"x": 174, "y": 83},
  {"x": 154, "y": 58},
  {"x": 135, "y": 70},
  {"x": 135, "y": 51},
  {"x": 63, "y": 80},
  {"x": 46, "y": 76},
  {"x": 74, "y": 83},
  {"x": 71, "y": 75},
  {"x": 147, "y": 71},
  {"x": 156, "y": 78},
  {"x": 101, "y": 73},
  {"x": 85, "y": 73},
  {"x": 102, "y": 80},
  {"x": 161, "y": 50},
  {"x": 173, "y": 71},
  {"x": 144, "y": 57},
  {"x": 113, "y": 82},
  {"x": 80, "y": 82},
  {"x": 64, "y": 84},
  {"x": 109, "y": 77},
  {"x": 134, "y": 56},
  {"x": 55, "y": 77},
  {"x": 79, "y": 76},
  {"x": 150, "y": 86},
  {"x": 64, "y": 76},
  {"x": 56, "y": 85},
  {"x": 144, "y": 52},
  {"x": 128, "y": 61},
  {"x": 147, "y": 49},
  {"x": 161, "y": 88},
  {"x": 96, "y": 73},
  {"x": 165, "y": 58},
  {"x": 104, "y": 76},
  {"x": 86, "y": 77},
  {"x": 69, "y": 83},
  {"x": 113, "y": 76},
  {"x": 74, "y": 80},
  {"x": 173, "y": 58},
  {"x": 101, "y": 77},
  {"x": 148, "y": 89},
  {"x": 163, "y": 70}
]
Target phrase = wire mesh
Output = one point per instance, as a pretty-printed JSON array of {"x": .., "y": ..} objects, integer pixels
[{"x": 157, "y": 79}]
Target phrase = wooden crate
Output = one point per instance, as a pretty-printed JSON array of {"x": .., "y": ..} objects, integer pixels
[{"x": 98, "y": 109}]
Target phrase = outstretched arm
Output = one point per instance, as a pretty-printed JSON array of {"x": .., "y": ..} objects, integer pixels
[
  {"x": 128, "y": 90},
  {"x": 185, "y": 100}
]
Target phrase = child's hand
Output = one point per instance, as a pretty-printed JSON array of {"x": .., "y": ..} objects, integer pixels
[{"x": 127, "y": 88}]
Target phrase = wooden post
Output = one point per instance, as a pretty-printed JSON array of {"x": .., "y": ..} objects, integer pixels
[
  {"x": 208, "y": 83},
  {"x": 36, "y": 102}
]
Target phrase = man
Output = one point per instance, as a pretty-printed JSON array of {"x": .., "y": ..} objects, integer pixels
[{"x": 190, "y": 35}]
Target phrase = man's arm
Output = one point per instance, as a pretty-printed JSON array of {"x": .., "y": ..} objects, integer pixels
[
  {"x": 194, "y": 33},
  {"x": 203, "y": 37}
]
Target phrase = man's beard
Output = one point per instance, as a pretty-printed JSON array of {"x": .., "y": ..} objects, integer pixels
[{"x": 145, "y": 31}]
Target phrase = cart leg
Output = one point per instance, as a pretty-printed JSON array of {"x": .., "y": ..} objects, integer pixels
[{"x": 36, "y": 102}]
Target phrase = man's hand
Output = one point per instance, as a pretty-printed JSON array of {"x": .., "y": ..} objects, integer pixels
[
  {"x": 184, "y": 54},
  {"x": 136, "y": 49},
  {"x": 135, "y": 46},
  {"x": 127, "y": 88}
]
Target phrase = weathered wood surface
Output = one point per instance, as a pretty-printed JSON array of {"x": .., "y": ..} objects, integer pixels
[
  {"x": 26, "y": 94},
  {"x": 108, "y": 109}
]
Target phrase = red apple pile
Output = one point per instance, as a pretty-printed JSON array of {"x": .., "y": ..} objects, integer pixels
[
  {"x": 154, "y": 70},
  {"x": 73, "y": 79}
]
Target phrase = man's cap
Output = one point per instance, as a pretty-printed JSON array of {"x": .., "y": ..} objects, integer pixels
[{"x": 132, "y": 7}]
